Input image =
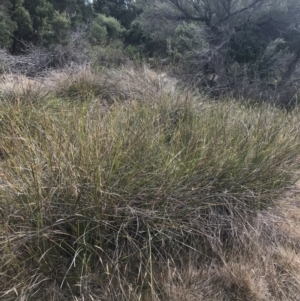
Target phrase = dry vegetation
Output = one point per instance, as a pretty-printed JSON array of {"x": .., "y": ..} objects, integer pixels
[{"x": 115, "y": 185}]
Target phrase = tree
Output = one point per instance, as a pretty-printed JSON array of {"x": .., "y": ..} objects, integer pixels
[
  {"x": 125, "y": 11},
  {"x": 248, "y": 45},
  {"x": 211, "y": 12},
  {"x": 24, "y": 30},
  {"x": 79, "y": 11},
  {"x": 7, "y": 25},
  {"x": 56, "y": 29},
  {"x": 34, "y": 21},
  {"x": 151, "y": 30}
]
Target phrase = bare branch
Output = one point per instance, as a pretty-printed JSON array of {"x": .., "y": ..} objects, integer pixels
[
  {"x": 204, "y": 11},
  {"x": 252, "y": 5}
]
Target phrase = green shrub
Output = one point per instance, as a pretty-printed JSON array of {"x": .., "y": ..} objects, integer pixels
[
  {"x": 132, "y": 52},
  {"x": 188, "y": 37},
  {"x": 112, "y": 55},
  {"x": 98, "y": 34},
  {"x": 104, "y": 28}
]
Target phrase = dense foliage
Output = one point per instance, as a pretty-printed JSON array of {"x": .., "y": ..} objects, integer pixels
[{"x": 249, "y": 47}]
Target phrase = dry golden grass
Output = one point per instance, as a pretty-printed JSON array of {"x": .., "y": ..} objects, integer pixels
[
  {"x": 267, "y": 267},
  {"x": 18, "y": 89},
  {"x": 112, "y": 85},
  {"x": 82, "y": 83}
]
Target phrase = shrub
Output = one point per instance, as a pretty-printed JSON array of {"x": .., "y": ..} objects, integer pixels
[
  {"x": 110, "y": 56},
  {"x": 188, "y": 36},
  {"x": 104, "y": 28}
]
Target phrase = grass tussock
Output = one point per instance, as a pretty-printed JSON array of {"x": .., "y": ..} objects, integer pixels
[
  {"x": 81, "y": 83},
  {"x": 160, "y": 196},
  {"x": 110, "y": 85},
  {"x": 18, "y": 89}
]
